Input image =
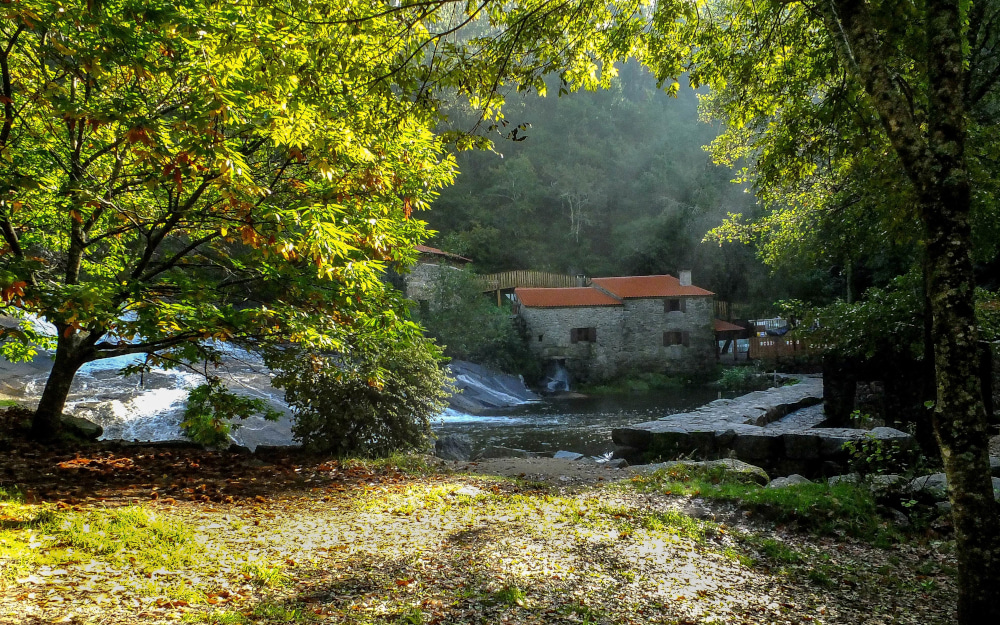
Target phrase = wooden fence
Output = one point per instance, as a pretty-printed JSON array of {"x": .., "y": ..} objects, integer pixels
[
  {"x": 774, "y": 347},
  {"x": 728, "y": 311},
  {"x": 526, "y": 278}
]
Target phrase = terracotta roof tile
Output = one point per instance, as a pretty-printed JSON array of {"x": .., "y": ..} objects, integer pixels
[
  {"x": 725, "y": 326},
  {"x": 423, "y": 249},
  {"x": 648, "y": 286},
  {"x": 564, "y": 297}
]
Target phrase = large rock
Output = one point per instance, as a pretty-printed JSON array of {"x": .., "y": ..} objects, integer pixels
[
  {"x": 935, "y": 486},
  {"x": 792, "y": 480},
  {"x": 893, "y": 436},
  {"x": 81, "y": 428},
  {"x": 756, "y": 444},
  {"x": 743, "y": 470},
  {"x": 453, "y": 447},
  {"x": 994, "y": 466},
  {"x": 481, "y": 389}
]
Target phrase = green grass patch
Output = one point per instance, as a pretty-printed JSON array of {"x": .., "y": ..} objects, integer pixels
[
  {"x": 264, "y": 574},
  {"x": 826, "y": 510},
  {"x": 135, "y": 535},
  {"x": 511, "y": 594}
]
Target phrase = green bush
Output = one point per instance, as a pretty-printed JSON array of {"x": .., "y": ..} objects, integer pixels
[
  {"x": 211, "y": 410},
  {"x": 743, "y": 379},
  {"x": 470, "y": 326},
  {"x": 370, "y": 400}
]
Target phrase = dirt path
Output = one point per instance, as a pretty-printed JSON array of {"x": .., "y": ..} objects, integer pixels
[{"x": 282, "y": 538}]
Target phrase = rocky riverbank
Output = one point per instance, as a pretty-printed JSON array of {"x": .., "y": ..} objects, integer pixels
[{"x": 779, "y": 429}]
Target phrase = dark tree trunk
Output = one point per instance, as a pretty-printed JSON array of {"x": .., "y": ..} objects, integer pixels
[
  {"x": 71, "y": 353},
  {"x": 959, "y": 417}
]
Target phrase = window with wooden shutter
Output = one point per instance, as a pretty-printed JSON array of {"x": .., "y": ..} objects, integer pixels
[
  {"x": 676, "y": 338},
  {"x": 586, "y": 335},
  {"x": 674, "y": 304}
]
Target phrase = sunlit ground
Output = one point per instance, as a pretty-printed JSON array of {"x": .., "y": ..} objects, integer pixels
[{"x": 374, "y": 544}]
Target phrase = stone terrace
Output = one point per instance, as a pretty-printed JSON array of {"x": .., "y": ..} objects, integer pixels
[{"x": 778, "y": 429}]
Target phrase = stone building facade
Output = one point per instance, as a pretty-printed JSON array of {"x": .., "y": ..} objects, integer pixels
[
  {"x": 645, "y": 323},
  {"x": 418, "y": 285}
]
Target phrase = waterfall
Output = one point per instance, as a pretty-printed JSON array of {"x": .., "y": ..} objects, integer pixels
[{"x": 558, "y": 379}]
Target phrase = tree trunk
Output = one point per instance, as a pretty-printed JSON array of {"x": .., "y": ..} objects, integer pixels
[
  {"x": 959, "y": 418},
  {"x": 71, "y": 354}
]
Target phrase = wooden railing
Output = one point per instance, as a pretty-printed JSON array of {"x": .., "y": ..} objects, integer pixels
[
  {"x": 771, "y": 347},
  {"x": 728, "y": 311},
  {"x": 526, "y": 278}
]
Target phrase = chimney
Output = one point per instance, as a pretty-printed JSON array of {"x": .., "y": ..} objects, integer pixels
[{"x": 684, "y": 275}]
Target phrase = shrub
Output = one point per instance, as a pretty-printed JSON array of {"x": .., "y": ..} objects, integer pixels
[
  {"x": 372, "y": 400},
  {"x": 211, "y": 409},
  {"x": 469, "y": 326},
  {"x": 743, "y": 379}
]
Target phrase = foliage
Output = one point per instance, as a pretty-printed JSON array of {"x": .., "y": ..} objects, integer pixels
[
  {"x": 743, "y": 379},
  {"x": 887, "y": 320},
  {"x": 212, "y": 408},
  {"x": 177, "y": 172},
  {"x": 608, "y": 183},
  {"x": 470, "y": 327},
  {"x": 373, "y": 400},
  {"x": 842, "y": 508},
  {"x": 871, "y": 455}
]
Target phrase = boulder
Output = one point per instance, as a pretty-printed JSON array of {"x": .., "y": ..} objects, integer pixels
[
  {"x": 994, "y": 466},
  {"x": 453, "y": 447},
  {"x": 791, "y": 480},
  {"x": 935, "y": 486},
  {"x": 617, "y": 463},
  {"x": 567, "y": 455},
  {"x": 850, "y": 478},
  {"x": 729, "y": 465},
  {"x": 81, "y": 428},
  {"x": 894, "y": 436},
  {"x": 883, "y": 484},
  {"x": 801, "y": 445},
  {"x": 760, "y": 445}
]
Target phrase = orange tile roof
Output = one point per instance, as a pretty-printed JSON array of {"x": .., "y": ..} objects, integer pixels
[
  {"x": 423, "y": 249},
  {"x": 568, "y": 296},
  {"x": 648, "y": 286},
  {"x": 725, "y": 326}
]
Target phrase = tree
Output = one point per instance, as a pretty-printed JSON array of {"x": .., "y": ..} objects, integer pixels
[
  {"x": 847, "y": 87},
  {"x": 180, "y": 174}
]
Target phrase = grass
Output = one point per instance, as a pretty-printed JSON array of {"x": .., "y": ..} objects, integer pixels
[
  {"x": 264, "y": 574},
  {"x": 819, "y": 508}
]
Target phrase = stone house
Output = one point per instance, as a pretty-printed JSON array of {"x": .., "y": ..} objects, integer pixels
[
  {"x": 418, "y": 285},
  {"x": 648, "y": 323}
]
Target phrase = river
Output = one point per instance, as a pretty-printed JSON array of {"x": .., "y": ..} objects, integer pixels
[{"x": 580, "y": 424}]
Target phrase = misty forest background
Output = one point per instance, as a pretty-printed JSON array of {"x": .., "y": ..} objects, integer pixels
[
  {"x": 619, "y": 182},
  {"x": 614, "y": 182}
]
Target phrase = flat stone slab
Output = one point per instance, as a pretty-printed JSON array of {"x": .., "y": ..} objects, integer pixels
[{"x": 769, "y": 426}]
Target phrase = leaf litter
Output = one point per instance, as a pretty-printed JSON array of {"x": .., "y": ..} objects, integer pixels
[{"x": 284, "y": 537}]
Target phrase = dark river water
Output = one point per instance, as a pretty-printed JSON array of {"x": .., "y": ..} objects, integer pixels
[{"x": 582, "y": 425}]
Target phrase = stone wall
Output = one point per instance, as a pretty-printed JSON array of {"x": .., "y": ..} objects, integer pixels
[
  {"x": 420, "y": 281},
  {"x": 549, "y": 338},
  {"x": 645, "y": 323},
  {"x": 628, "y": 337}
]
